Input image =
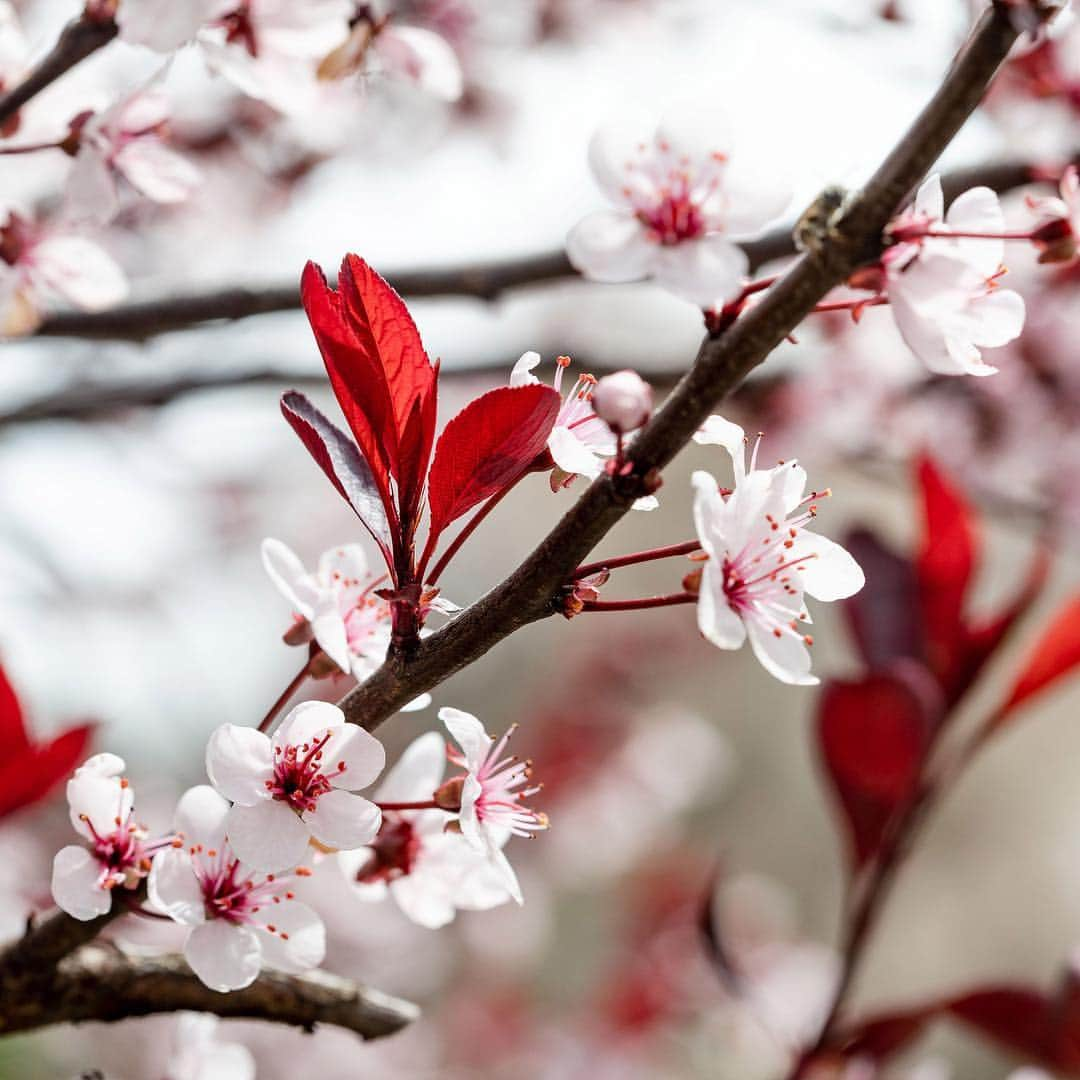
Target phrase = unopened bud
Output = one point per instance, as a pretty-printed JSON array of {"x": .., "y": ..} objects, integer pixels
[
  {"x": 448, "y": 797},
  {"x": 691, "y": 583},
  {"x": 1056, "y": 241},
  {"x": 300, "y": 633},
  {"x": 623, "y": 401}
]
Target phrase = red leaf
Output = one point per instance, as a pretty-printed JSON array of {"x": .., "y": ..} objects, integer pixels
[
  {"x": 343, "y": 465},
  {"x": 383, "y": 325},
  {"x": 872, "y": 737},
  {"x": 880, "y": 1037},
  {"x": 1056, "y": 654},
  {"x": 30, "y": 775},
  {"x": 1015, "y": 1017},
  {"x": 12, "y": 727},
  {"x": 945, "y": 565},
  {"x": 494, "y": 439}
]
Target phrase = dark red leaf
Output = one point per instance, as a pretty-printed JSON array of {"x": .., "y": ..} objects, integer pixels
[
  {"x": 356, "y": 375},
  {"x": 344, "y": 465},
  {"x": 491, "y": 442},
  {"x": 384, "y": 327},
  {"x": 30, "y": 775},
  {"x": 945, "y": 564},
  {"x": 872, "y": 737},
  {"x": 1017, "y": 1018},
  {"x": 884, "y": 615},
  {"x": 882, "y": 1036},
  {"x": 12, "y": 727},
  {"x": 1056, "y": 654}
]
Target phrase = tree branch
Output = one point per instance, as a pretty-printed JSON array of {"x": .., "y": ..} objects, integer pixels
[
  {"x": 851, "y": 236},
  {"x": 482, "y": 280},
  {"x": 99, "y": 982},
  {"x": 77, "y": 41}
]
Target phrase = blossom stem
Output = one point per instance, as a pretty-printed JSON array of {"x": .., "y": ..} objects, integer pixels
[
  {"x": 951, "y": 234},
  {"x": 421, "y": 804},
  {"x": 286, "y": 694},
  {"x": 849, "y": 305},
  {"x": 466, "y": 531},
  {"x": 688, "y": 547},
  {"x": 668, "y": 600},
  {"x": 30, "y": 148}
]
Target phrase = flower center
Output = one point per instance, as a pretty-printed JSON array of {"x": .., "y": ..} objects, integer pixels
[
  {"x": 393, "y": 853},
  {"x": 239, "y": 29},
  {"x": 298, "y": 776},
  {"x": 675, "y": 218}
]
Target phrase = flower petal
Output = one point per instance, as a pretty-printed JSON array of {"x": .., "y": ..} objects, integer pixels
[
  {"x": 308, "y": 721},
  {"x": 287, "y": 572},
  {"x": 610, "y": 246},
  {"x": 785, "y": 657},
  {"x": 343, "y": 820},
  {"x": 298, "y": 941},
  {"x": 571, "y": 454},
  {"x": 76, "y": 884},
  {"x": 718, "y": 623},
  {"x": 417, "y": 773},
  {"x": 270, "y": 836},
  {"x": 707, "y": 272},
  {"x": 240, "y": 763},
  {"x": 353, "y": 758},
  {"x": 223, "y": 955},
  {"x": 200, "y": 816},
  {"x": 173, "y": 887},
  {"x": 522, "y": 375},
  {"x": 469, "y": 734},
  {"x": 832, "y": 574}
]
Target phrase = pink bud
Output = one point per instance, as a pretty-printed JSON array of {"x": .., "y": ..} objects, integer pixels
[{"x": 623, "y": 401}]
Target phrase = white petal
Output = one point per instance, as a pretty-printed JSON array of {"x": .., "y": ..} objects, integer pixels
[
  {"x": 468, "y": 733},
  {"x": 101, "y": 800},
  {"x": 521, "y": 375},
  {"x": 200, "y": 816},
  {"x": 240, "y": 763},
  {"x": 417, "y": 773},
  {"x": 224, "y": 956},
  {"x": 157, "y": 172},
  {"x": 424, "y": 58},
  {"x": 305, "y": 944},
  {"x": 76, "y": 884},
  {"x": 361, "y": 754},
  {"x": 425, "y": 899},
  {"x": 930, "y": 200},
  {"x": 343, "y": 820},
  {"x": 571, "y": 454},
  {"x": 102, "y": 765},
  {"x": 999, "y": 316},
  {"x": 611, "y": 246},
  {"x": 718, "y": 623},
  {"x": 785, "y": 657},
  {"x": 173, "y": 887},
  {"x": 707, "y": 272},
  {"x": 80, "y": 271},
  {"x": 90, "y": 194},
  {"x": 417, "y": 703},
  {"x": 505, "y": 872},
  {"x": 287, "y": 573},
  {"x": 343, "y": 565},
  {"x": 833, "y": 574},
  {"x": 978, "y": 210},
  {"x": 270, "y": 836},
  {"x": 646, "y": 502},
  {"x": 328, "y": 627},
  {"x": 308, "y": 721},
  {"x": 468, "y": 819},
  {"x": 162, "y": 27}
]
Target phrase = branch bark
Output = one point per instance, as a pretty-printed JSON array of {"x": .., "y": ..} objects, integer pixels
[
  {"x": 850, "y": 236},
  {"x": 99, "y": 982},
  {"x": 486, "y": 281},
  {"x": 77, "y": 41}
]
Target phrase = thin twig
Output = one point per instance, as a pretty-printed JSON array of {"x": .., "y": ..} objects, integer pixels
[
  {"x": 77, "y": 41},
  {"x": 852, "y": 236}
]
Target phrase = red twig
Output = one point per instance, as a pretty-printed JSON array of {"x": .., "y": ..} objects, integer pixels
[{"x": 688, "y": 547}]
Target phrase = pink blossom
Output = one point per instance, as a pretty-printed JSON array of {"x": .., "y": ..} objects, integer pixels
[
  {"x": 429, "y": 871},
  {"x": 944, "y": 292},
  {"x": 678, "y": 207},
  {"x": 40, "y": 263},
  {"x": 762, "y": 558},
  {"x": 298, "y": 784},
  {"x": 580, "y": 442},
  {"x": 623, "y": 401},
  {"x": 198, "y": 1054},
  {"x": 116, "y": 853},
  {"x": 127, "y": 140},
  {"x": 492, "y": 792},
  {"x": 240, "y": 921}
]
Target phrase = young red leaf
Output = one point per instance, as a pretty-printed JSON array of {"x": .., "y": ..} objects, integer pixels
[
  {"x": 945, "y": 564},
  {"x": 1018, "y": 1018},
  {"x": 872, "y": 737},
  {"x": 356, "y": 374},
  {"x": 28, "y": 776},
  {"x": 1055, "y": 655},
  {"x": 12, "y": 726},
  {"x": 343, "y": 465},
  {"x": 491, "y": 442},
  {"x": 880, "y": 1037}
]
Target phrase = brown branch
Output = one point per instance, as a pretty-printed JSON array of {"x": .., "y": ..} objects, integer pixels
[
  {"x": 483, "y": 280},
  {"x": 852, "y": 236},
  {"x": 77, "y": 41},
  {"x": 99, "y": 982}
]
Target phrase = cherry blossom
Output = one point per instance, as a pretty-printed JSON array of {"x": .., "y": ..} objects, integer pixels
[
  {"x": 199, "y": 1055},
  {"x": 116, "y": 853},
  {"x": 490, "y": 793},
  {"x": 127, "y": 140},
  {"x": 296, "y": 785},
  {"x": 944, "y": 292},
  {"x": 239, "y": 920},
  {"x": 580, "y": 442},
  {"x": 429, "y": 871},
  {"x": 1059, "y": 220},
  {"x": 678, "y": 208},
  {"x": 761, "y": 558},
  {"x": 41, "y": 262},
  {"x": 623, "y": 401}
]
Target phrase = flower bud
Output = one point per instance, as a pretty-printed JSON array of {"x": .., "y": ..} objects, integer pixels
[
  {"x": 623, "y": 401},
  {"x": 448, "y": 797}
]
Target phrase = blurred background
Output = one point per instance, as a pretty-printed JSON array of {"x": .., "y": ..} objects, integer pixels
[{"x": 134, "y": 492}]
